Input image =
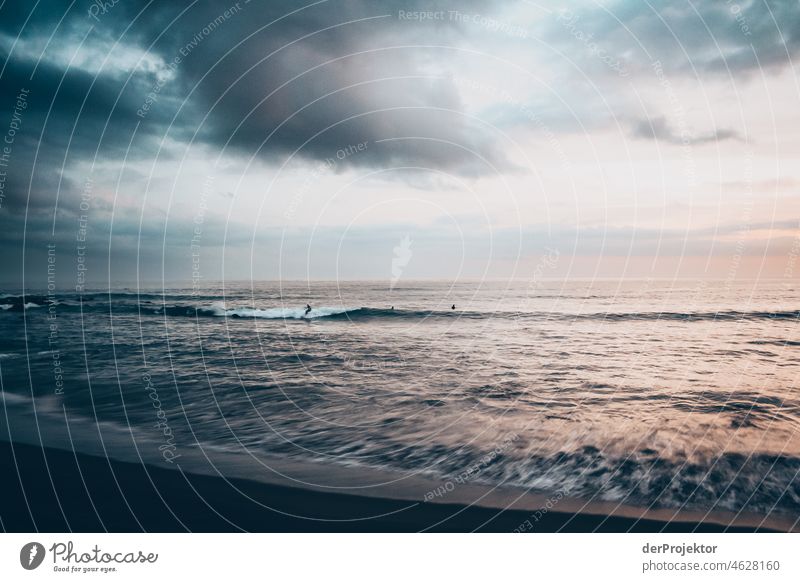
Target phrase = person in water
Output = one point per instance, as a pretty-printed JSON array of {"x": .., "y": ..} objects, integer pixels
[
  {"x": 454, "y": 306},
  {"x": 308, "y": 310}
]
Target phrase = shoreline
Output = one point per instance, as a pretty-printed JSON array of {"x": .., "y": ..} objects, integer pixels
[{"x": 96, "y": 494}]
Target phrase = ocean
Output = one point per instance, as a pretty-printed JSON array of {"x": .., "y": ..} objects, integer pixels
[{"x": 677, "y": 395}]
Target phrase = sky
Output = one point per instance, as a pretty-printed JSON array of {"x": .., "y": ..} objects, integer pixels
[{"x": 342, "y": 139}]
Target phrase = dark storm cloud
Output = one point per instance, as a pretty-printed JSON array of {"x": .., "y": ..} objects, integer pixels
[
  {"x": 136, "y": 79},
  {"x": 267, "y": 79},
  {"x": 272, "y": 78},
  {"x": 328, "y": 77},
  {"x": 259, "y": 78},
  {"x": 659, "y": 129},
  {"x": 71, "y": 116},
  {"x": 82, "y": 94}
]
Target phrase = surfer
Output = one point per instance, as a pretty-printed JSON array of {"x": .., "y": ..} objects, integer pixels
[
  {"x": 308, "y": 310},
  {"x": 453, "y": 307}
]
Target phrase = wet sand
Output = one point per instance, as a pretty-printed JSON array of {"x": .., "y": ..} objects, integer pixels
[{"x": 52, "y": 490}]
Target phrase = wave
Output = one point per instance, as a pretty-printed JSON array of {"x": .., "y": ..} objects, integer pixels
[
  {"x": 12, "y": 398},
  {"x": 697, "y": 316},
  {"x": 181, "y": 305},
  {"x": 776, "y": 342},
  {"x": 219, "y": 310},
  {"x": 24, "y": 302},
  {"x": 763, "y": 483},
  {"x": 336, "y": 313},
  {"x": 366, "y": 312}
]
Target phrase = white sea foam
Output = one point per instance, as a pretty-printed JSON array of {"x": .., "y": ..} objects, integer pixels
[{"x": 219, "y": 309}]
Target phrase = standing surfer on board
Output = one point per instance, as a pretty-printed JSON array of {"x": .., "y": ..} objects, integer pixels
[{"x": 308, "y": 310}]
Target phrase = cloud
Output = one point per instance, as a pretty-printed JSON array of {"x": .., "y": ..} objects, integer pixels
[
  {"x": 270, "y": 80},
  {"x": 328, "y": 79},
  {"x": 659, "y": 129},
  {"x": 689, "y": 38},
  {"x": 261, "y": 79}
]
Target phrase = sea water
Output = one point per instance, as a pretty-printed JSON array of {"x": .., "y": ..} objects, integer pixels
[{"x": 676, "y": 394}]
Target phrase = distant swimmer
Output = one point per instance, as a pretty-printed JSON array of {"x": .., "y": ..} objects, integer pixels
[
  {"x": 392, "y": 307},
  {"x": 308, "y": 310},
  {"x": 453, "y": 307}
]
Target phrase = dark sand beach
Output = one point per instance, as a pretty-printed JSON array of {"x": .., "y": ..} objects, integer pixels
[{"x": 90, "y": 499}]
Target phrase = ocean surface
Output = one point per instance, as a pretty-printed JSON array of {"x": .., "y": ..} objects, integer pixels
[{"x": 677, "y": 395}]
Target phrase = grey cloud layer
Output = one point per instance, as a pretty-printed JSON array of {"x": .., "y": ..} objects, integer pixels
[{"x": 270, "y": 78}]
